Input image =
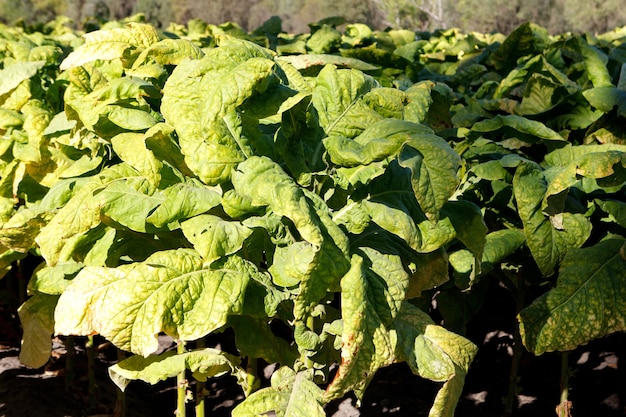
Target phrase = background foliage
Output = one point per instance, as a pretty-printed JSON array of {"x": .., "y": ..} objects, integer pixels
[{"x": 557, "y": 16}]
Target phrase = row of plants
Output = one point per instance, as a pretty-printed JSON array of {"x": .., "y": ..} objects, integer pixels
[{"x": 318, "y": 194}]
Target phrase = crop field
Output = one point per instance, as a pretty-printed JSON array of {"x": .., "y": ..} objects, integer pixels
[{"x": 301, "y": 213}]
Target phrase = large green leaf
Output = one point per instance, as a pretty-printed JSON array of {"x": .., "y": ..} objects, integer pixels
[
  {"x": 53, "y": 280},
  {"x": 312, "y": 60},
  {"x": 182, "y": 201},
  {"x": 367, "y": 308},
  {"x": 171, "y": 292},
  {"x": 434, "y": 353},
  {"x": 132, "y": 149},
  {"x": 284, "y": 196},
  {"x": 392, "y": 205},
  {"x": 80, "y": 214},
  {"x": 204, "y": 363},
  {"x": 264, "y": 183},
  {"x": 20, "y": 231},
  {"x": 518, "y": 127},
  {"x": 589, "y": 300},
  {"x": 113, "y": 107},
  {"x": 168, "y": 52},
  {"x": 526, "y": 40},
  {"x": 37, "y": 317},
  {"x": 117, "y": 43},
  {"x": 128, "y": 201},
  {"x": 199, "y": 101},
  {"x": 595, "y": 63},
  {"x": 254, "y": 338},
  {"x": 12, "y": 76},
  {"x": 549, "y": 237},
  {"x": 214, "y": 237},
  {"x": 606, "y": 98},
  {"x": 337, "y": 97}
]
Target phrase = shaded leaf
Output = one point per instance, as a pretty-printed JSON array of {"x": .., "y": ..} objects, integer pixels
[
  {"x": 547, "y": 243},
  {"x": 590, "y": 289}
]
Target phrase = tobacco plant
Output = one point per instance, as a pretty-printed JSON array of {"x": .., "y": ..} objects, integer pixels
[{"x": 313, "y": 193}]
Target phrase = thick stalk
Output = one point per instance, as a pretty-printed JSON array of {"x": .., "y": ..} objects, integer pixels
[
  {"x": 516, "y": 287},
  {"x": 22, "y": 283},
  {"x": 200, "y": 387},
  {"x": 91, "y": 371},
  {"x": 181, "y": 385},
  {"x": 310, "y": 325},
  {"x": 70, "y": 362},
  {"x": 509, "y": 401},
  {"x": 251, "y": 370},
  {"x": 564, "y": 407},
  {"x": 120, "y": 400}
]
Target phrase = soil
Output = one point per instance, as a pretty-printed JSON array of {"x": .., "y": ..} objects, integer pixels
[{"x": 597, "y": 382}]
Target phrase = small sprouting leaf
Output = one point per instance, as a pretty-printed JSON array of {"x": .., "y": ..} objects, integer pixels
[
  {"x": 291, "y": 394},
  {"x": 182, "y": 201},
  {"x": 589, "y": 301},
  {"x": 171, "y": 291},
  {"x": 131, "y": 148},
  {"x": 205, "y": 363},
  {"x": 214, "y": 237},
  {"x": 498, "y": 245}
]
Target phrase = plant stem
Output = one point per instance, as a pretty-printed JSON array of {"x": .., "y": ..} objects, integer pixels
[
  {"x": 181, "y": 385},
  {"x": 516, "y": 287},
  {"x": 120, "y": 401},
  {"x": 564, "y": 407},
  {"x": 509, "y": 401},
  {"x": 69, "y": 361},
  {"x": 310, "y": 325},
  {"x": 200, "y": 387},
  {"x": 251, "y": 370},
  {"x": 22, "y": 283},
  {"x": 91, "y": 371}
]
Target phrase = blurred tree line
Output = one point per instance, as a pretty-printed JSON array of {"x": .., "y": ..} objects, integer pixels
[{"x": 558, "y": 16}]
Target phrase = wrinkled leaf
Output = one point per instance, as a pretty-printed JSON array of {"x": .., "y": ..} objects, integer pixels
[{"x": 590, "y": 289}]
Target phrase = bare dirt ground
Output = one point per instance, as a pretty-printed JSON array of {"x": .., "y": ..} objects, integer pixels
[{"x": 598, "y": 382}]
